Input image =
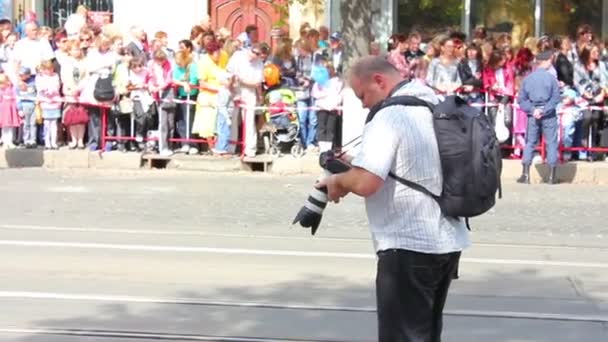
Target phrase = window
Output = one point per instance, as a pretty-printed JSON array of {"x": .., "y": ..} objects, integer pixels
[
  {"x": 515, "y": 17},
  {"x": 58, "y": 11},
  {"x": 429, "y": 17}
]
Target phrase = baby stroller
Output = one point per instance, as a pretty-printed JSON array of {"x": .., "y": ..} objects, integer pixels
[{"x": 283, "y": 123}]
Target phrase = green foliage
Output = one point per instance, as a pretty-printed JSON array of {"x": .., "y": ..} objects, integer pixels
[{"x": 429, "y": 16}]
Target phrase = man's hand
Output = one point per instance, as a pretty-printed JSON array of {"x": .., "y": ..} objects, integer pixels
[
  {"x": 334, "y": 190},
  {"x": 538, "y": 114}
]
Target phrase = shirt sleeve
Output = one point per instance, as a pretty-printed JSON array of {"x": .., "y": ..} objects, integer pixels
[
  {"x": 194, "y": 74},
  {"x": 46, "y": 50},
  {"x": 523, "y": 99},
  {"x": 554, "y": 100},
  {"x": 379, "y": 145}
]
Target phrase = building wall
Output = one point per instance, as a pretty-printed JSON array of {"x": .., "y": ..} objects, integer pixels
[
  {"x": 160, "y": 16},
  {"x": 308, "y": 13}
]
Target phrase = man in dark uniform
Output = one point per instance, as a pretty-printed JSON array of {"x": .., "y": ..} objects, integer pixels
[{"x": 539, "y": 97}]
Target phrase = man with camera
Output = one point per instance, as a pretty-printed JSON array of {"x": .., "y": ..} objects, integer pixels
[{"x": 418, "y": 248}]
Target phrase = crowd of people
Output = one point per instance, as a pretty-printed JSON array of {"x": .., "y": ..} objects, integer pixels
[
  {"x": 488, "y": 71},
  {"x": 58, "y": 85},
  {"x": 208, "y": 93}
]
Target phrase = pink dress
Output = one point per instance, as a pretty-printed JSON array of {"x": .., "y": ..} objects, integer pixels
[
  {"x": 520, "y": 122},
  {"x": 9, "y": 117}
]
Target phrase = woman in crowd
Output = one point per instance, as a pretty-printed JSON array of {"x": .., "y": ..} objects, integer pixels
[
  {"x": 210, "y": 75},
  {"x": 397, "y": 55},
  {"x": 563, "y": 66},
  {"x": 469, "y": 70},
  {"x": 443, "y": 70},
  {"x": 285, "y": 60},
  {"x": 306, "y": 115},
  {"x": 185, "y": 77},
  {"x": 590, "y": 81},
  {"x": 499, "y": 84},
  {"x": 100, "y": 64},
  {"x": 73, "y": 76}
]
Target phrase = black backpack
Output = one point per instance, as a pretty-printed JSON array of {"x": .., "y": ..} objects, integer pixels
[
  {"x": 471, "y": 160},
  {"x": 104, "y": 89}
]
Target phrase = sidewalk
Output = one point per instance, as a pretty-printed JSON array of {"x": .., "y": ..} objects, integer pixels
[{"x": 579, "y": 172}]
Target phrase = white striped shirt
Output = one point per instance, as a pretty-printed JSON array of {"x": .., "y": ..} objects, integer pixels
[{"x": 402, "y": 140}]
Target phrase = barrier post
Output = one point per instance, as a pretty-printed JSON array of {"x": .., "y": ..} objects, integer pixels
[
  {"x": 243, "y": 128},
  {"x": 486, "y": 105},
  {"x": 132, "y": 118},
  {"x": 188, "y": 117},
  {"x": 104, "y": 127},
  {"x": 560, "y": 141},
  {"x": 161, "y": 141}
]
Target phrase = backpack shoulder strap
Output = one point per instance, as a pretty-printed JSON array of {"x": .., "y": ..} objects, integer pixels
[
  {"x": 403, "y": 101},
  {"x": 398, "y": 101},
  {"x": 412, "y": 185}
]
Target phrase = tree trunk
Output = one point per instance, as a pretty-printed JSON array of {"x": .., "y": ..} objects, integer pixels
[{"x": 356, "y": 29}]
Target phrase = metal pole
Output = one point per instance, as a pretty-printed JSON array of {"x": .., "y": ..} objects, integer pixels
[
  {"x": 538, "y": 18},
  {"x": 604, "y": 19},
  {"x": 466, "y": 17}
]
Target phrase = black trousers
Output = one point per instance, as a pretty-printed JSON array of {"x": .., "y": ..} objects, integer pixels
[
  {"x": 94, "y": 127},
  {"x": 327, "y": 125},
  {"x": 411, "y": 290}
]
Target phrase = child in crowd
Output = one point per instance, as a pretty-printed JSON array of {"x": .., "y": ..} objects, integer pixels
[
  {"x": 125, "y": 105},
  {"x": 327, "y": 93},
  {"x": 48, "y": 87},
  {"x": 9, "y": 117},
  {"x": 160, "y": 85},
  {"x": 280, "y": 112},
  {"x": 26, "y": 105},
  {"x": 142, "y": 99},
  {"x": 571, "y": 109}
]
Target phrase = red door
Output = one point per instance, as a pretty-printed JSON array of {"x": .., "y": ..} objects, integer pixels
[{"x": 235, "y": 15}]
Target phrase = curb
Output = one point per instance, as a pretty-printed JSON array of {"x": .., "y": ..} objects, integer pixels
[{"x": 571, "y": 173}]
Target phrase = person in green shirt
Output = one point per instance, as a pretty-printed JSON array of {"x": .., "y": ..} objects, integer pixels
[{"x": 185, "y": 78}]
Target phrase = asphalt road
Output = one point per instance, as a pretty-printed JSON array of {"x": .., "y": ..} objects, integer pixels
[{"x": 167, "y": 255}]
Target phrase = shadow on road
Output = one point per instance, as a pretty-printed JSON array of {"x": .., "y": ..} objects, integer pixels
[{"x": 235, "y": 321}]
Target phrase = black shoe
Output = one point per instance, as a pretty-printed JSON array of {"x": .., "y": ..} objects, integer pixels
[
  {"x": 525, "y": 175},
  {"x": 553, "y": 176}
]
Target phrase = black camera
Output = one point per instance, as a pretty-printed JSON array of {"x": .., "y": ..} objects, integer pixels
[
  {"x": 591, "y": 86},
  {"x": 311, "y": 213}
]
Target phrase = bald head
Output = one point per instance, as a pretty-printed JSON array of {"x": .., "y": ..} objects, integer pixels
[
  {"x": 366, "y": 67},
  {"x": 372, "y": 78},
  {"x": 31, "y": 30}
]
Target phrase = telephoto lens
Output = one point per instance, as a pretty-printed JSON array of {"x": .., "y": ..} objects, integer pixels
[{"x": 311, "y": 213}]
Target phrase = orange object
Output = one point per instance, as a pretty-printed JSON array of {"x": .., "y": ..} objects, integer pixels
[{"x": 272, "y": 75}]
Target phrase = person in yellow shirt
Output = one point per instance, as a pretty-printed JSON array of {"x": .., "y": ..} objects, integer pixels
[{"x": 210, "y": 75}]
